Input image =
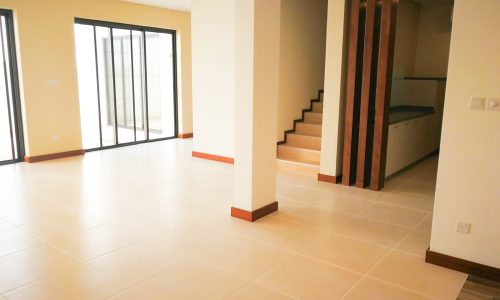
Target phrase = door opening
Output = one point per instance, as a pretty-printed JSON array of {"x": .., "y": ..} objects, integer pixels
[
  {"x": 127, "y": 83},
  {"x": 11, "y": 133}
]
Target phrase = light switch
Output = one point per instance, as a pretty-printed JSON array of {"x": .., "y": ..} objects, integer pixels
[
  {"x": 477, "y": 103},
  {"x": 494, "y": 104}
]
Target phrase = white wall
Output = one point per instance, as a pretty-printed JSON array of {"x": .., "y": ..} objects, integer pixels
[
  {"x": 302, "y": 58},
  {"x": 213, "y": 52},
  {"x": 468, "y": 176},
  {"x": 333, "y": 102},
  {"x": 405, "y": 49},
  {"x": 434, "y": 33}
]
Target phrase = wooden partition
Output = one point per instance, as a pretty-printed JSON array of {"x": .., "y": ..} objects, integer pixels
[{"x": 369, "y": 77}]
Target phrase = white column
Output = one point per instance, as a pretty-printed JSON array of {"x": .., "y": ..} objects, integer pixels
[
  {"x": 333, "y": 103},
  {"x": 257, "y": 78}
]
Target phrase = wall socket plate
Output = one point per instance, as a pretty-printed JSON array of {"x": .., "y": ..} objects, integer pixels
[
  {"x": 477, "y": 103},
  {"x": 463, "y": 227}
]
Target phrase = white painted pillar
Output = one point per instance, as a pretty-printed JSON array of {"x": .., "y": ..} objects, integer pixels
[
  {"x": 257, "y": 79},
  {"x": 332, "y": 141}
]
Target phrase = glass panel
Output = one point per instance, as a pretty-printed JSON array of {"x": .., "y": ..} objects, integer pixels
[
  {"x": 139, "y": 85},
  {"x": 123, "y": 81},
  {"x": 6, "y": 111},
  {"x": 160, "y": 71},
  {"x": 87, "y": 86},
  {"x": 106, "y": 93}
]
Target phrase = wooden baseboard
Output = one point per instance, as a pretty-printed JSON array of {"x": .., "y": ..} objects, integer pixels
[
  {"x": 329, "y": 178},
  {"x": 223, "y": 159},
  {"x": 252, "y": 216},
  {"x": 462, "y": 265},
  {"x": 39, "y": 158},
  {"x": 185, "y": 135}
]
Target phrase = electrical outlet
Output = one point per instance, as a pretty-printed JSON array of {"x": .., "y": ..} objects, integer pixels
[{"x": 463, "y": 227}]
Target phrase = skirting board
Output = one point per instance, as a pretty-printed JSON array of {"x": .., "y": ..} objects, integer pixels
[
  {"x": 223, "y": 159},
  {"x": 462, "y": 265},
  {"x": 39, "y": 158},
  {"x": 329, "y": 178},
  {"x": 252, "y": 216},
  {"x": 185, "y": 135}
]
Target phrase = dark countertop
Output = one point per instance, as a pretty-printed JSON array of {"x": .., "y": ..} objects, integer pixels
[{"x": 405, "y": 112}]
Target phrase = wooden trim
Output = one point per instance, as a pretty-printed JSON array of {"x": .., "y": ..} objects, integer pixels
[
  {"x": 462, "y": 265},
  {"x": 365, "y": 94},
  {"x": 185, "y": 135},
  {"x": 329, "y": 178},
  {"x": 256, "y": 214},
  {"x": 383, "y": 94},
  {"x": 218, "y": 158},
  {"x": 39, "y": 158},
  {"x": 349, "y": 130}
]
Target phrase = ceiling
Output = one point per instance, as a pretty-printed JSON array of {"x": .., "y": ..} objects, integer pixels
[{"x": 184, "y": 5}]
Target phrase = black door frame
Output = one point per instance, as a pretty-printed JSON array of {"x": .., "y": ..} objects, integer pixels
[
  {"x": 17, "y": 136},
  {"x": 143, "y": 30}
]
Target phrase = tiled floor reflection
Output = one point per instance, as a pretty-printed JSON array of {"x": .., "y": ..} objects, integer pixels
[{"x": 151, "y": 222}]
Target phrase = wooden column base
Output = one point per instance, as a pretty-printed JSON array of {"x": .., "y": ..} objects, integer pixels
[
  {"x": 185, "y": 135},
  {"x": 462, "y": 265},
  {"x": 329, "y": 178},
  {"x": 39, "y": 158},
  {"x": 223, "y": 159},
  {"x": 252, "y": 216}
]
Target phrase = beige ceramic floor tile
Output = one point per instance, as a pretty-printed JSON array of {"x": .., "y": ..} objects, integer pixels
[
  {"x": 285, "y": 234},
  {"x": 409, "y": 201},
  {"x": 254, "y": 291},
  {"x": 304, "y": 278},
  {"x": 426, "y": 224},
  {"x": 418, "y": 189},
  {"x": 315, "y": 216},
  {"x": 393, "y": 214},
  {"x": 138, "y": 262},
  {"x": 417, "y": 242},
  {"x": 373, "y": 231},
  {"x": 245, "y": 257},
  {"x": 375, "y": 290},
  {"x": 193, "y": 280},
  {"x": 13, "y": 240},
  {"x": 414, "y": 273},
  {"x": 31, "y": 264},
  {"x": 80, "y": 282},
  {"x": 131, "y": 295},
  {"x": 345, "y": 252}
]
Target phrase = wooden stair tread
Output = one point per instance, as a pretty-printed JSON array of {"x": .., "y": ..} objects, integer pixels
[
  {"x": 300, "y": 161},
  {"x": 301, "y": 147}
]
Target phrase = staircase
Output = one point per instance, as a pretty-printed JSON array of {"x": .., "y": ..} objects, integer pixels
[{"x": 301, "y": 150}]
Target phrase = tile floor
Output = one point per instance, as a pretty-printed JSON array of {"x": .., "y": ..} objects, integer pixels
[{"x": 150, "y": 222}]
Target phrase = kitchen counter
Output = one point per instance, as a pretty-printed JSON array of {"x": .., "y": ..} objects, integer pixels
[{"x": 403, "y": 113}]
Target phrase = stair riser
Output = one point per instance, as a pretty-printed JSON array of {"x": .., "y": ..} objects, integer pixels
[
  {"x": 302, "y": 169},
  {"x": 308, "y": 129},
  {"x": 318, "y": 107},
  {"x": 298, "y": 154},
  {"x": 314, "y": 118},
  {"x": 304, "y": 141}
]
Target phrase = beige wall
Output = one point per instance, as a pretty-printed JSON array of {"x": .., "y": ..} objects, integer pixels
[
  {"x": 302, "y": 58},
  {"x": 45, "y": 39},
  {"x": 405, "y": 49},
  {"x": 213, "y": 36},
  {"x": 434, "y": 33},
  {"x": 469, "y": 166}
]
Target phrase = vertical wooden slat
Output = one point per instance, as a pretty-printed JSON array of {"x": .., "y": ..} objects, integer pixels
[
  {"x": 365, "y": 93},
  {"x": 383, "y": 95},
  {"x": 347, "y": 177}
]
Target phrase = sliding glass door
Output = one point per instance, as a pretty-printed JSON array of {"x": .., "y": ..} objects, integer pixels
[
  {"x": 127, "y": 83},
  {"x": 11, "y": 138}
]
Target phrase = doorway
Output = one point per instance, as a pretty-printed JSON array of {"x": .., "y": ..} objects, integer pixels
[
  {"x": 127, "y": 83},
  {"x": 11, "y": 133}
]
